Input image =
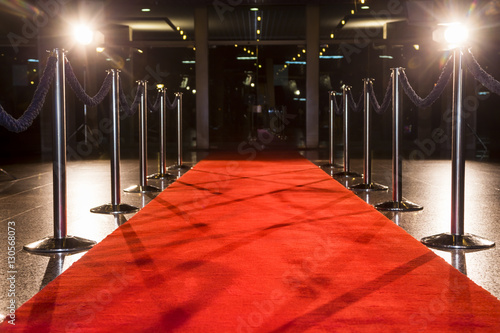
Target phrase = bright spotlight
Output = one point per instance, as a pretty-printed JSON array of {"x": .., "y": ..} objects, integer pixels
[
  {"x": 83, "y": 35},
  {"x": 456, "y": 34},
  {"x": 451, "y": 35}
]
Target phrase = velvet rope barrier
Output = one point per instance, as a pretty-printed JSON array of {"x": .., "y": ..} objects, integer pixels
[
  {"x": 24, "y": 122},
  {"x": 124, "y": 105},
  {"x": 356, "y": 107},
  {"x": 380, "y": 108},
  {"x": 336, "y": 107},
  {"x": 438, "y": 89},
  {"x": 480, "y": 74},
  {"x": 156, "y": 106},
  {"x": 80, "y": 92},
  {"x": 171, "y": 105}
]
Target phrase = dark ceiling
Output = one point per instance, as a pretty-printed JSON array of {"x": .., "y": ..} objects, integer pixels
[
  {"x": 232, "y": 20},
  {"x": 171, "y": 23}
]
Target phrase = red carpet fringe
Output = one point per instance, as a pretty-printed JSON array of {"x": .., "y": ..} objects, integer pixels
[{"x": 268, "y": 245}]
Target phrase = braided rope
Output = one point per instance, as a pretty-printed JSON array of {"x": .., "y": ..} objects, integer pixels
[
  {"x": 480, "y": 74},
  {"x": 380, "y": 108},
  {"x": 336, "y": 108},
  {"x": 172, "y": 105},
  {"x": 438, "y": 89},
  {"x": 156, "y": 106},
  {"x": 124, "y": 105},
  {"x": 356, "y": 107},
  {"x": 22, "y": 123},
  {"x": 80, "y": 92}
]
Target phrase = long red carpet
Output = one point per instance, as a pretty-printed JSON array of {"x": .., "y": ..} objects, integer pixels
[{"x": 268, "y": 245}]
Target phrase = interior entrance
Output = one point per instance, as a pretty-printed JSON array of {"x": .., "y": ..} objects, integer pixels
[{"x": 256, "y": 95}]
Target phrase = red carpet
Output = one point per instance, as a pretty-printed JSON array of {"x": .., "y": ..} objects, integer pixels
[{"x": 269, "y": 245}]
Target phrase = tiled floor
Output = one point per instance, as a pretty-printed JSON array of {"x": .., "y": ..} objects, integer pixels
[{"x": 27, "y": 201}]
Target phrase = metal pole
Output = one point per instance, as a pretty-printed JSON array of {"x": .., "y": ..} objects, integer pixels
[
  {"x": 59, "y": 148},
  {"x": 331, "y": 96},
  {"x": 163, "y": 133},
  {"x": 143, "y": 186},
  {"x": 457, "y": 151},
  {"x": 61, "y": 242},
  {"x": 397, "y": 203},
  {"x": 143, "y": 137},
  {"x": 457, "y": 239},
  {"x": 179, "y": 164},
  {"x": 116, "y": 207},
  {"x": 85, "y": 126},
  {"x": 115, "y": 139},
  {"x": 396, "y": 137},
  {"x": 367, "y": 184},
  {"x": 179, "y": 129},
  {"x": 367, "y": 161},
  {"x": 345, "y": 108},
  {"x": 163, "y": 173},
  {"x": 331, "y": 163}
]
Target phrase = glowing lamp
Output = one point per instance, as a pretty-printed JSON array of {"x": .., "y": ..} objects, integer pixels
[
  {"x": 83, "y": 35},
  {"x": 451, "y": 35},
  {"x": 456, "y": 34}
]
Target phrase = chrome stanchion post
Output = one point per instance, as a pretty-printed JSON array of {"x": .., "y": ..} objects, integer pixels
[
  {"x": 163, "y": 173},
  {"x": 457, "y": 239},
  {"x": 115, "y": 207},
  {"x": 397, "y": 203},
  {"x": 179, "y": 164},
  {"x": 367, "y": 184},
  {"x": 61, "y": 242},
  {"x": 143, "y": 186},
  {"x": 345, "y": 108},
  {"x": 331, "y": 164},
  {"x": 179, "y": 129}
]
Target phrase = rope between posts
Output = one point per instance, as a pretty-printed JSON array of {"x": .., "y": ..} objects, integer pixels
[
  {"x": 356, "y": 107},
  {"x": 80, "y": 92},
  {"x": 24, "y": 122},
  {"x": 172, "y": 105},
  {"x": 438, "y": 89},
  {"x": 156, "y": 106},
  {"x": 480, "y": 74},
  {"x": 380, "y": 108},
  {"x": 336, "y": 108},
  {"x": 125, "y": 106}
]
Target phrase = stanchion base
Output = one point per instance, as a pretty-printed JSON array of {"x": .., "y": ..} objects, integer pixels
[
  {"x": 165, "y": 176},
  {"x": 369, "y": 187},
  {"x": 68, "y": 244},
  {"x": 330, "y": 166},
  {"x": 449, "y": 241},
  {"x": 398, "y": 206},
  {"x": 114, "y": 209},
  {"x": 347, "y": 174},
  {"x": 179, "y": 167},
  {"x": 142, "y": 189}
]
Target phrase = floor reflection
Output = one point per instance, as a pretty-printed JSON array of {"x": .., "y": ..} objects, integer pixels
[
  {"x": 458, "y": 260},
  {"x": 55, "y": 267},
  {"x": 120, "y": 219}
]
